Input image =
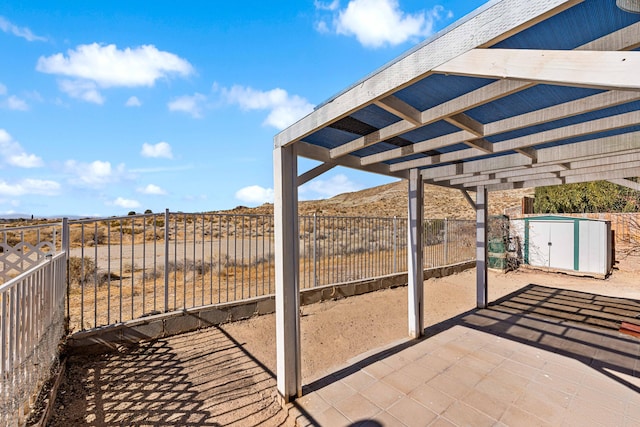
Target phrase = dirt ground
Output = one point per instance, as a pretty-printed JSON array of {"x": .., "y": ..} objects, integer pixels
[{"x": 226, "y": 375}]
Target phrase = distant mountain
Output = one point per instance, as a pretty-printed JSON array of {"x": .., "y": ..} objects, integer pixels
[
  {"x": 391, "y": 200},
  {"x": 22, "y": 216},
  {"x": 382, "y": 201}
]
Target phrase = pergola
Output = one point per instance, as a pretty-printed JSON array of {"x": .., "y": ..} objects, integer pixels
[{"x": 521, "y": 93}]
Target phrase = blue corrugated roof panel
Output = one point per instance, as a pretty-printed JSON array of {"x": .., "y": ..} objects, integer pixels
[
  {"x": 406, "y": 158},
  {"x": 452, "y": 148},
  {"x": 593, "y": 115},
  {"x": 438, "y": 88},
  {"x": 525, "y": 101},
  {"x": 374, "y": 149},
  {"x": 589, "y": 137},
  {"x": 588, "y": 21},
  {"x": 375, "y": 116},
  {"x": 330, "y": 138},
  {"x": 433, "y": 130}
]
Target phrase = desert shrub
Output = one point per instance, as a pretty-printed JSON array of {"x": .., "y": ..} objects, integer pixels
[
  {"x": 81, "y": 270},
  {"x": 155, "y": 273},
  {"x": 265, "y": 259},
  {"x": 175, "y": 266},
  {"x": 231, "y": 262},
  {"x": 150, "y": 235},
  {"x": 129, "y": 267},
  {"x": 75, "y": 236},
  {"x": 98, "y": 236},
  {"x": 198, "y": 266}
]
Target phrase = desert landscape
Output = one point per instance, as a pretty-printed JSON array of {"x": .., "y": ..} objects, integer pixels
[{"x": 225, "y": 375}]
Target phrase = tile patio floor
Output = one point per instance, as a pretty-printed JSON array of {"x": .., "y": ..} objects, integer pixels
[{"x": 538, "y": 357}]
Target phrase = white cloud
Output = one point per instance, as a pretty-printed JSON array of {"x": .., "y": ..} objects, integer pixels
[
  {"x": 133, "y": 102},
  {"x": 161, "y": 149},
  {"x": 376, "y": 23},
  {"x": 24, "y": 160},
  {"x": 320, "y": 5},
  {"x": 316, "y": 189},
  {"x": 81, "y": 89},
  {"x": 162, "y": 169},
  {"x": 108, "y": 66},
  {"x": 96, "y": 66},
  {"x": 284, "y": 109},
  {"x": 153, "y": 190},
  {"x": 9, "y": 202},
  {"x": 126, "y": 203},
  {"x": 23, "y": 32},
  {"x": 12, "y": 153},
  {"x": 333, "y": 186},
  {"x": 15, "y": 103},
  {"x": 255, "y": 195},
  {"x": 188, "y": 104},
  {"x": 29, "y": 186},
  {"x": 12, "y": 102},
  {"x": 94, "y": 174}
]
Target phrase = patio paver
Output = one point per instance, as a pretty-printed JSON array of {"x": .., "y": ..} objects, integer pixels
[{"x": 496, "y": 366}]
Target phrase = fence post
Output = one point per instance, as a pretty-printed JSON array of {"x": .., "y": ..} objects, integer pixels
[
  {"x": 446, "y": 241},
  {"x": 64, "y": 246},
  {"x": 395, "y": 243},
  {"x": 166, "y": 260},
  {"x": 315, "y": 278}
]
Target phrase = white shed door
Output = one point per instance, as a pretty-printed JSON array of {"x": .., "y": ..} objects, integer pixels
[{"x": 551, "y": 244}]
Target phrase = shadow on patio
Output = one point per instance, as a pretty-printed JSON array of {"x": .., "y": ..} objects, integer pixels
[{"x": 539, "y": 356}]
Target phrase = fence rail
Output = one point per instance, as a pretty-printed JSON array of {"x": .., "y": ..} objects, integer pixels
[{"x": 31, "y": 326}]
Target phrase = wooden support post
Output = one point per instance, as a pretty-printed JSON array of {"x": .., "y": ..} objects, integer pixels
[
  {"x": 286, "y": 272},
  {"x": 415, "y": 254},
  {"x": 482, "y": 225}
]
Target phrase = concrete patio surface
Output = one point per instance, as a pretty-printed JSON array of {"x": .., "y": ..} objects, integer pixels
[{"x": 538, "y": 357}]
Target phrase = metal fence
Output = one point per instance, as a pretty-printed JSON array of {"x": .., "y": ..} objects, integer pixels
[
  {"x": 345, "y": 249},
  {"x": 123, "y": 268},
  {"x": 31, "y": 327}
]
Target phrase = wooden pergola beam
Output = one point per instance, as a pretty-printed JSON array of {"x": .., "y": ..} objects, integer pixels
[{"x": 592, "y": 69}]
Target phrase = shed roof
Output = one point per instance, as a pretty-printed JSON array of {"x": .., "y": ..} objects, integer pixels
[{"x": 520, "y": 93}]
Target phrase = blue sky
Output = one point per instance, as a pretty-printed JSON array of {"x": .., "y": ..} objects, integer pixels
[{"x": 108, "y": 107}]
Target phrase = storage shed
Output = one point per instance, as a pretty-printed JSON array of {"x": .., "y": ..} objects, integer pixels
[{"x": 564, "y": 243}]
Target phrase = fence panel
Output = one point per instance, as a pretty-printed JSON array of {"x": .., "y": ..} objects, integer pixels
[
  {"x": 23, "y": 247},
  {"x": 123, "y": 268},
  {"x": 31, "y": 326}
]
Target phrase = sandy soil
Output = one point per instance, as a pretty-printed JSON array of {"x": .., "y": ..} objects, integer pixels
[
  {"x": 334, "y": 332},
  {"x": 225, "y": 375}
]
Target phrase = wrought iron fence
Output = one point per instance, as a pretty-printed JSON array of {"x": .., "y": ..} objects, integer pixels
[
  {"x": 123, "y": 268},
  {"x": 31, "y": 327}
]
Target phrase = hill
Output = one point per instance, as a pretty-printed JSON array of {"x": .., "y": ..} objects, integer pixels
[{"x": 391, "y": 200}]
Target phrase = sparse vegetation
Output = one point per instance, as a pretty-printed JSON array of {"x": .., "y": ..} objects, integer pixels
[{"x": 81, "y": 270}]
